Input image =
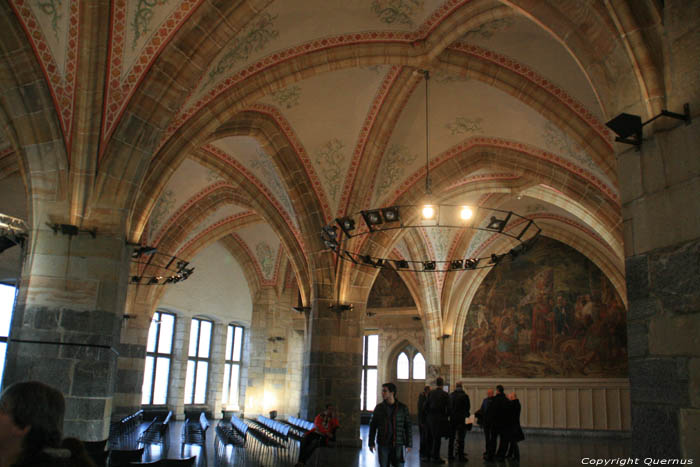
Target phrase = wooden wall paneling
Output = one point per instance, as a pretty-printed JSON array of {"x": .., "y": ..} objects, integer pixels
[
  {"x": 599, "y": 409},
  {"x": 559, "y": 408},
  {"x": 586, "y": 408}
]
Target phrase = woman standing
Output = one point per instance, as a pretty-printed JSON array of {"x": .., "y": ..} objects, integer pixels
[{"x": 516, "y": 432}]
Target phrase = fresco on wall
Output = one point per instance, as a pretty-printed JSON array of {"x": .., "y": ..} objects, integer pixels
[
  {"x": 389, "y": 291},
  {"x": 551, "y": 313}
]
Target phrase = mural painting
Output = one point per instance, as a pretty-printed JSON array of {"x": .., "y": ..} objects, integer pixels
[
  {"x": 550, "y": 313},
  {"x": 389, "y": 291}
]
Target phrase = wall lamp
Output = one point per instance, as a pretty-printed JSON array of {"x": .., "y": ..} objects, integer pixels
[
  {"x": 443, "y": 337},
  {"x": 301, "y": 309},
  {"x": 275, "y": 339},
  {"x": 340, "y": 308},
  {"x": 628, "y": 127},
  {"x": 71, "y": 230}
]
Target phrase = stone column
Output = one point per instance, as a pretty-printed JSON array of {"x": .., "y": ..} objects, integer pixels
[
  {"x": 270, "y": 334},
  {"x": 333, "y": 365},
  {"x": 67, "y": 321},
  {"x": 660, "y": 187}
]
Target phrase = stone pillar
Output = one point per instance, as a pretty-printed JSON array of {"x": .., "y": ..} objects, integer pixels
[
  {"x": 270, "y": 335},
  {"x": 67, "y": 321},
  {"x": 660, "y": 187},
  {"x": 333, "y": 366}
]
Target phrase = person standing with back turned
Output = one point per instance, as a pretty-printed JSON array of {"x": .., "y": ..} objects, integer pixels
[
  {"x": 438, "y": 409},
  {"x": 459, "y": 411},
  {"x": 425, "y": 443}
]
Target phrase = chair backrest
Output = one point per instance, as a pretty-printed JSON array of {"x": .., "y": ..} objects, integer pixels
[
  {"x": 167, "y": 419},
  {"x": 203, "y": 421},
  {"x": 119, "y": 457}
]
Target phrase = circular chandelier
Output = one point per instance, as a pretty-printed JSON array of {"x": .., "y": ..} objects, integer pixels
[{"x": 521, "y": 230}]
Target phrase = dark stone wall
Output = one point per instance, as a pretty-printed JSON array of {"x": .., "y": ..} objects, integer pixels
[{"x": 663, "y": 287}]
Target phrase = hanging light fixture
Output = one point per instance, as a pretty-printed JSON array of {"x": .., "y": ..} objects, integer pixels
[{"x": 429, "y": 214}]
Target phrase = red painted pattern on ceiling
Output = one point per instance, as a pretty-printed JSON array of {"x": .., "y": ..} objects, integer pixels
[
  {"x": 370, "y": 119},
  {"x": 61, "y": 86},
  {"x": 222, "y": 156},
  {"x": 291, "y": 136},
  {"x": 122, "y": 83},
  {"x": 503, "y": 143}
]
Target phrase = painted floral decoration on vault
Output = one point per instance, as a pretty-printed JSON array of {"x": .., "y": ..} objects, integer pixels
[
  {"x": 394, "y": 164},
  {"x": 488, "y": 30},
  {"x": 51, "y": 8},
  {"x": 465, "y": 126},
  {"x": 142, "y": 18},
  {"x": 267, "y": 261},
  {"x": 163, "y": 206},
  {"x": 255, "y": 38},
  {"x": 287, "y": 97},
  {"x": 397, "y": 11},
  {"x": 551, "y": 313},
  {"x": 329, "y": 158}
]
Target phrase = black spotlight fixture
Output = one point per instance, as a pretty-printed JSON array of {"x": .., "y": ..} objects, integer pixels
[
  {"x": 497, "y": 224},
  {"x": 373, "y": 217},
  {"x": 330, "y": 232},
  {"x": 391, "y": 214},
  {"x": 495, "y": 258},
  {"x": 367, "y": 259},
  {"x": 135, "y": 279},
  {"x": 471, "y": 263},
  {"x": 429, "y": 266},
  {"x": 143, "y": 250},
  {"x": 456, "y": 264},
  {"x": 628, "y": 127},
  {"x": 401, "y": 264},
  {"x": 347, "y": 224},
  {"x": 379, "y": 262}
]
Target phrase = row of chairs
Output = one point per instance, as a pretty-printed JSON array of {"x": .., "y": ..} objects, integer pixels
[
  {"x": 158, "y": 432},
  {"x": 123, "y": 434},
  {"x": 195, "y": 433},
  {"x": 230, "y": 442}
]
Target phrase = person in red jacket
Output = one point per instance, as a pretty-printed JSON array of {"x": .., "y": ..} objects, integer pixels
[{"x": 325, "y": 425}]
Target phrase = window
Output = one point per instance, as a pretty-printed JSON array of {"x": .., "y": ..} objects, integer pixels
[
  {"x": 158, "y": 353},
  {"x": 370, "y": 352},
  {"x": 7, "y": 303},
  {"x": 198, "y": 361},
  {"x": 410, "y": 368},
  {"x": 232, "y": 368}
]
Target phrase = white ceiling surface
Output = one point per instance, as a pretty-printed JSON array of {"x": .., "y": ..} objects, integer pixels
[
  {"x": 519, "y": 38},
  {"x": 460, "y": 110},
  {"x": 215, "y": 270},
  {"x": 264, "y": 244},
  {"x": 248, "y": 151}
]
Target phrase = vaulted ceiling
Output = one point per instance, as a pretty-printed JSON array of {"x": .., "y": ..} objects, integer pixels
[{"x": 258, "y": 121}]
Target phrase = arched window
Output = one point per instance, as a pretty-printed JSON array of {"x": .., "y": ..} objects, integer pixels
[
  {"x": 402, "y": 366},
  {"x": 410, "y": 364},
  {"x": 370, "y": 353},
  {"x": 198, "y": 361},
  {"x": 418, "y": 366}
]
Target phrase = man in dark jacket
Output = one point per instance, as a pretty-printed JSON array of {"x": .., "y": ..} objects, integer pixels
[
  {"x": 438, "y": 410},
  {"x": 459, "y": 411},
  {"x": 391, "y": 425},
  {"x": 484, "y": 422},
  {"x": 425, "y": 443},
  {"x": 498, "y": 417}
]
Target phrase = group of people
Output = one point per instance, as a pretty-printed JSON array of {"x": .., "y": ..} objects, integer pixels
[
  {"x": 499, "y": 416},
  {"x": 442, "y": 415}
]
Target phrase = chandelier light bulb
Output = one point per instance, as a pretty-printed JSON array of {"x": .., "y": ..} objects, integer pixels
[
  {"x": 428, "y": 212},
  {"x": 465, "y": 213}
]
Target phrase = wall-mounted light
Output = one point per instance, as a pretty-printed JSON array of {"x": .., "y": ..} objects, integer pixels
[
  {"x": 628, "y": 127},
  {"x": 301, "y": 309},
  {"x": 340, "y": 307},
  {"x": 443, "y": 337}
]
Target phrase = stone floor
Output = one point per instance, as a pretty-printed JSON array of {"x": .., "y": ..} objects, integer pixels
[{"x": 535, "y": 451}]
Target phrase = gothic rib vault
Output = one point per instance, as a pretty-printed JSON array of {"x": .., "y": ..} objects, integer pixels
[{"x": 253, "y": 123}]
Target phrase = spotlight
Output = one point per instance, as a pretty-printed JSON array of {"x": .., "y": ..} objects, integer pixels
[
  {"x": 428, "y": 212},
  {"x": 372, "y": 217},
  {"x": 497, "y": 224},
  {"x": 330, "y": 232},
  {"x": 401, "y": 264},
  {"x": 367, "y": 259},
  {"x": 153, "y": 280},
  {"x": 144, "y": 250},
  {"x": 135, "y": 279},
  {"x": 465, "y": 213},
  {"x": 514, "y": 252},
  {"x": 331, "y": 245},
  {"x": 456, "y": 264},
  {"x": 495, "y": 258},
  {"x": 471, "y": 263},
  {"x": 379, "y": 263},
  {"x": 391, "y": 214},
  {"x": 347, "y": 224},
  {"x": 429, "y": 265},
  {"x": 626, "y": 125}
]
